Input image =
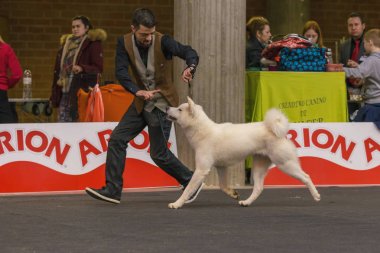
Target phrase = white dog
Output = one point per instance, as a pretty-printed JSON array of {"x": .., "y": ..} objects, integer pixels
[{"x": 223, "y": 145}]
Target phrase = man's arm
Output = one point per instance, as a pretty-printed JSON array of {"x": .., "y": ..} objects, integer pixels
[
  {"x": 171, "y": 48},
  {"x": 121, "y": 67}
]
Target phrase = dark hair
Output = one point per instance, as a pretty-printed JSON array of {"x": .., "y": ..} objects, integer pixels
[
  {"x": 85, "y": 20},
  {"x": 143, "y": 16},
  {"x": 256, "y": 24},
  {"x": 356, "y": 15}
]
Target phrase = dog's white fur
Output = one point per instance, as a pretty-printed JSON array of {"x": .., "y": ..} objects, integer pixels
[{"x": 223, "y": 145}]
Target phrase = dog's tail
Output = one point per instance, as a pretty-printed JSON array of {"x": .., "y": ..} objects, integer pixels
[{"x": 277, "y": 122}]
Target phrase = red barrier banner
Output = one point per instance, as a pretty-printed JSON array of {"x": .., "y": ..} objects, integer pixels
[
  {"x": 71, "y": 156},
  {"x": 334, "y": 154}
]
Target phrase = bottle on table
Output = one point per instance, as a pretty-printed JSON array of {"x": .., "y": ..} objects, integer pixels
[
  {"x": 27, "y": 84},
  {"x": 329, "y": 56}
]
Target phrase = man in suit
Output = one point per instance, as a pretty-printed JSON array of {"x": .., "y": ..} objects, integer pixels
[{"x": 350, "y": 52}]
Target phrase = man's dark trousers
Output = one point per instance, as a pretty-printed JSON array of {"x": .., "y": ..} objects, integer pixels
[{"x": 131, "y": 124}]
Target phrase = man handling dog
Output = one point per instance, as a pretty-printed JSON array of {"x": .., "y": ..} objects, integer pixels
[{"x": 144, "y": 68}]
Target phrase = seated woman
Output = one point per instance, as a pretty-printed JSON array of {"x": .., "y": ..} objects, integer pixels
[
  {"x": 312, "y": 31},
  {"x": 258, "y": 37}
]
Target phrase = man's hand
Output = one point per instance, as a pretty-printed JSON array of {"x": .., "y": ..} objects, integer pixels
[
  {"x": 188, "y": 73},
  {"x": 147, "y": 94}
]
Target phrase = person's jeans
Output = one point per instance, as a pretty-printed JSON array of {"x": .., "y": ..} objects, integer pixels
[
  {"x": 7, "y": 115},
  {"x": 128, "y": 128}
]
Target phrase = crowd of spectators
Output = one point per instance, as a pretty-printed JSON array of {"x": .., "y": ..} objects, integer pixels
[{"x": 358, "y": 54}]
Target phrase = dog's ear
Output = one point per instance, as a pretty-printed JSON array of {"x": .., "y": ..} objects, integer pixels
[
  {"x": 189, "y": 100},
  {"x": 191, "y": 105}
]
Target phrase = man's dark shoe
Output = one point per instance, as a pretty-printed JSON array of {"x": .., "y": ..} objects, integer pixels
[
  {"x": 103, "y": 194},
  {"x": 195, "y": 194}
]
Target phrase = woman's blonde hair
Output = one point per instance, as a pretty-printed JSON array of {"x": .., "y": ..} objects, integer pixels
[
  {"x": 311, "y": 24},
  {"x": 1, "y": 40},
  {"x": 256, "y": 24}
]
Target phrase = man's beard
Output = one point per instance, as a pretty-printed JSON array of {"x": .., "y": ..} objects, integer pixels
[{"x": 144, "y": 45}]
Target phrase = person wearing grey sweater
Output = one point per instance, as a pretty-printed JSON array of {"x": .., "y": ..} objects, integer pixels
[{"x": 369, "y": 72}]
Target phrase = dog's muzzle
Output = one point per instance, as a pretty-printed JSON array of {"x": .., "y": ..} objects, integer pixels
[{"x": 171, "y": 118}]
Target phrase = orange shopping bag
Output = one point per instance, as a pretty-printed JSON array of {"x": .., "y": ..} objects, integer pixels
[{"x": 116, "y": 101}]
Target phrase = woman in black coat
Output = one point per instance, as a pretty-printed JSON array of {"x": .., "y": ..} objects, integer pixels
[{"x": 258, "y": 37}]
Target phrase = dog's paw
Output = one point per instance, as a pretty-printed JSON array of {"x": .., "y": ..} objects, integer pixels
[
  {"x": 232, "y": 193},
  {"x": 244, "y": 203},
  {"x": 174, "y": 206},
  {"x": 235, "y": 194},
  {"x": 317, "y": 198}
]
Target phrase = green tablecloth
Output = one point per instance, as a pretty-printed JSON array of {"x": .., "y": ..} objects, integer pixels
[{"x": 302, "y": 96}]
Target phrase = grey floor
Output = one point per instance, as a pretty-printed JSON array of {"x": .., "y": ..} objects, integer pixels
[{"x": 281, "y": 220}]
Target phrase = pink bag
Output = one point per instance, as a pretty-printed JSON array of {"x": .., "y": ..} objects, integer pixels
[
  {"x": 289, "y": 41},
  {"x": 95, "y": 107}
]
